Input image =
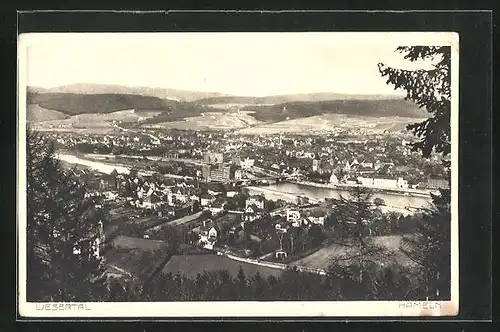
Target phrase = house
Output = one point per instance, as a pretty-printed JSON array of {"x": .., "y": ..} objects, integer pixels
[
  {"x": 214, "y": 193},
  {"x": 151, "y": 201},
  {"x": 140, "y": 192},
  {"x": 247, "y": 163},
  {"x": 347, "y": 166},
  {"x": 110, "y": 195},
  {"x": 316, "y": 166},
  {"x": 385, "y": 183},
  {"x": 281, "y": 227},
  {"x": 292, "y": 215},
  {"x": 334, "y": 179},
  {"x": 217, "y": 207},
  {"x": 238, "y": 174},
  {"x": 181, "y": 195},
  {"x": 431, "y": 183},
  {"x": 206, "y": 200},
  {"x": 364, "y": 170},
  {"x": 208, "y": 235},
  {"x": 366, "y": 164},
  {"x": 310, "y": 155},
  {"x": 317, "y": 217},
  {"x": 231, "y": 193},
  {"x": 252, "y": 212},
  {"x": 280, "y": 254},
  {"x": 256, "y": 200},
  {"x": 95, "y": 246}
]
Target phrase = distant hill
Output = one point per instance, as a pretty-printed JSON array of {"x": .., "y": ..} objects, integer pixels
[
  {"x": 46, "y": 105},
  {"x": 74, "y": 104},
  {"x": 280, "y": 99},
  {"x": 87, "y": 88},
  {"x": 373, "y": 108},
  {"x": 327, "y": 122}
]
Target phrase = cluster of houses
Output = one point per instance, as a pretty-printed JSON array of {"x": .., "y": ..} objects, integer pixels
[
  {"x": 295, "y": 217},
  {"x": 255, "y": 209},
  {"x": 146, "y": 192}
]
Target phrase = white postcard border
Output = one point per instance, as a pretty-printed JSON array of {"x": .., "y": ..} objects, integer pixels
[{"x": 247, "y": 308}]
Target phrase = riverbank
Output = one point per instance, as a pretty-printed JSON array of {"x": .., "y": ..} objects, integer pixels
[
  {"x": 389, "y": 191},
  {"x": 277, "y": 194},
  {"x": 102, "y": 164}
]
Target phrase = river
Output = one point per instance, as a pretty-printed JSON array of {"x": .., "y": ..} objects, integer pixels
[
  {"x": 96, "y": 165},
  {"x": 289, "y": 192},
  {"x": 283, "y": 190},
  {"x": 107, "y": 167}
]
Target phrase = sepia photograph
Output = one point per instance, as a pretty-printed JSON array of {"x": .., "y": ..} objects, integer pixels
[{"x": 238, "y": 174}]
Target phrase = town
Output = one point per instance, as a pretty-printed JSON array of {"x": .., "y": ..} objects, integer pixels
[{"x": 218, "y": 194}]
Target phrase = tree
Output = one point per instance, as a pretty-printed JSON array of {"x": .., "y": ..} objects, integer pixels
[
  {"x": 241, "y": 284},
  {"x": 62, "y": 229},
  {"x": 271, "y": 205},
  {"x": 355, "y": 215},
  {"x": 378, "y": 201},
  {"x": 316, "y": 235},
  {"x": 430, "y": 247},
  {"x": 355, "y": 212},
  {"x": 429, "y": 88},
  {"x": 172, "y": 236}
]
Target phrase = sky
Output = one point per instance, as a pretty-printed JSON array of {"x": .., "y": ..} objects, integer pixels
[{"x": 252, "y": 64}]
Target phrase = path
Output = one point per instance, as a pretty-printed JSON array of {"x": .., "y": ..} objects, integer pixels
[{"x": 121, "y": 270}]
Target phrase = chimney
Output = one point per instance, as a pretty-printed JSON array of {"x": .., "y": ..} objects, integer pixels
[{"x": 204, "y": 223}]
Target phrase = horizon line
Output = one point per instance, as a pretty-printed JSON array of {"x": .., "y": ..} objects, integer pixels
[{"x": 223, "y": 94}]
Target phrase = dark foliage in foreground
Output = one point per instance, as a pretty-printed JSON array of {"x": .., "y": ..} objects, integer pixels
[
  {"x": 430, "y": 89},
  {"x": 60, "y": 220},
  {"x": 378, "y": 284}
]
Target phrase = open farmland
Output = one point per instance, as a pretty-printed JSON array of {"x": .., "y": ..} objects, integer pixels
[
  {"x": 36, "y": 113},
  {"x": 210, "y": 121},
  {"x": 127, "y": 242},
  {"x": 55, "y": 119},
  {"x": 136, "y": 256},
  {"x": 371, "y": 108},
  {"x": 328, "y": 122},
  {"x": 191, "y": 265},
  {"x": 322, "y": 258}
]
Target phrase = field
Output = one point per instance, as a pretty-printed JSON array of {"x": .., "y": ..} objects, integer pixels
[
  {"x": 91, "y": 108},
  {"x": 190, "y": 265},
  {"x": 133, "y": 243},
  {"x": 35, "y": 113},
  {"x": 210, "y": 121},
  {"x": 50, "y": 118},
  {"x": 323, "y": 258},
  {"x": 371, "y": 108},
  {"x": 300, "y": 97},
  {"x": 328, "y": 122}
]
